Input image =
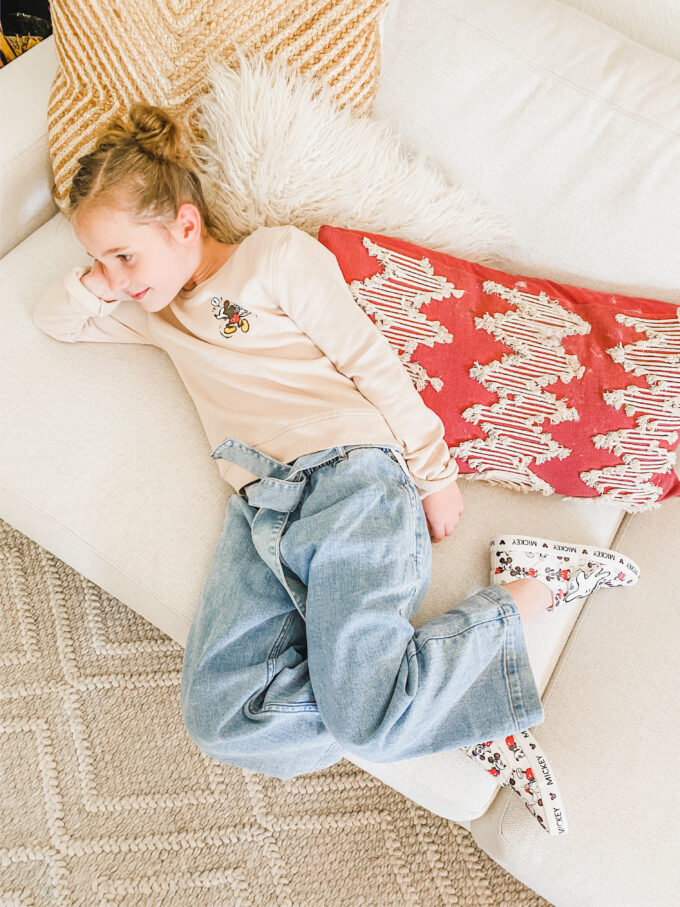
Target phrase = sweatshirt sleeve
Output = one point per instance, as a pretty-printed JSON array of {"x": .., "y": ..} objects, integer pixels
[
  {"x": 311, "y": 289},
  {"x": 68, "y": 311}
]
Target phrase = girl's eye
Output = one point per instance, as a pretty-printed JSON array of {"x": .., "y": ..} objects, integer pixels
[{"x": 125, "y": 257}]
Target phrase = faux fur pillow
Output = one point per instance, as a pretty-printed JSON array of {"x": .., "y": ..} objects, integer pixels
[
  {"x": 541, "y": 386},
  {"x": 276, "y": 150}
]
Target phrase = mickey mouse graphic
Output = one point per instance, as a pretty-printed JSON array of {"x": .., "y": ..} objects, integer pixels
[
  {"x": 525, "y": 778},
  {"x": 233, "y": 314},
  {"x": 495, "y": 760},
  {"x": 505, "y": 563}
]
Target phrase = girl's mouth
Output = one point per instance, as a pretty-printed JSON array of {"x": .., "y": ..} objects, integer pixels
[{"x": 141, "y": 295}]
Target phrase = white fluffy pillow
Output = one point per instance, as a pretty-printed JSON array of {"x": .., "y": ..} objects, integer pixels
[{"x": 276, "y": 150}]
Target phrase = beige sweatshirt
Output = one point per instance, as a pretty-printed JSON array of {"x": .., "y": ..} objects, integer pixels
[{"x": 275, "y": 351}]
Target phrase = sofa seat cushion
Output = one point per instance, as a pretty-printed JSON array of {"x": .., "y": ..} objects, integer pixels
[
  {"x": 611, "y": 730},
  {"x": 105, "y": 463}
]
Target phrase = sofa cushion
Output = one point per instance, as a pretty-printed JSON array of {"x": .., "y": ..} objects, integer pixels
[
  {"x": 611, "y": 730},
  {"x": 25, "y": 200},
  {"x": 655, "y": 23},
  {"x": 567, "y": 128},
  {"x": 105, "y": 463},
  {"x": 540, "y": 386},
  {"x": 157, "y": 51}
]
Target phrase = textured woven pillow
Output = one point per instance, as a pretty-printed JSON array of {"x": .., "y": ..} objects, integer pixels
[
  {"x": 541, "y": 386},
  {"x": 112, "y": 54}
]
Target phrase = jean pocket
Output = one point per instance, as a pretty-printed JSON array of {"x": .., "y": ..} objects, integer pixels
[{"x": 398, "y": 458}]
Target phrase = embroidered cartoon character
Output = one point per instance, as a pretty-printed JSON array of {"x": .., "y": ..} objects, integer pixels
[{"x": 233, "y": 314}]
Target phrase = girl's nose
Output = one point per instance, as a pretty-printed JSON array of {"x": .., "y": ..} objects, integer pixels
[{"x": 117, "y": 280}]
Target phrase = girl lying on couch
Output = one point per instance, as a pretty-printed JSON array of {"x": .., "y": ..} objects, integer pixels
[{"x": 301, "y": 648}]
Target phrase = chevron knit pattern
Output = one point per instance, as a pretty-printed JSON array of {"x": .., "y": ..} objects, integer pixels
[
  {"x": 112, "y": 54},
  {"x": 107, "y": 802}
]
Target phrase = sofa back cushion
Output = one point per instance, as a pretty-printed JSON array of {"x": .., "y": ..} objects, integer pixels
[
  {"x": 568, "y": 129},
  {"x": 25, "y": 200},
  {"x": 654, "y": 23}
]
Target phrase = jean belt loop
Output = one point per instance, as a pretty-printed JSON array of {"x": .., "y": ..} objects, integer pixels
[{"x": 398, "y": 454}]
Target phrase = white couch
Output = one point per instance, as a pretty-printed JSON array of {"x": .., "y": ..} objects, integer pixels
[{"x": 571, "y": 130}]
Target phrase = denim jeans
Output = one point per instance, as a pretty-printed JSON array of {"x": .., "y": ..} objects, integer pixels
[{"x": 301, "y": 650}]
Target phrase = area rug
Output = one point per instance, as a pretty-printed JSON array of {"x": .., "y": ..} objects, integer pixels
[{"x": 107, "y": 803}]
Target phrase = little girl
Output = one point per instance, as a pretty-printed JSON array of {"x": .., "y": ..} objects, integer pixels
[{"x": 301, "y": 649}]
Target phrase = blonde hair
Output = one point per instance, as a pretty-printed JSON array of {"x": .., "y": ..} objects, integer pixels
[{"x": 142, "y": 165}]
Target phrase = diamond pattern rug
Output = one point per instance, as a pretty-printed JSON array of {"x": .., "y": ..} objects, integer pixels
[{"x": 107, "y": 802}]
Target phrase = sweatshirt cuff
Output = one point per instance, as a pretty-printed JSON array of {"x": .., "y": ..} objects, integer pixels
[
  {"x": 86, "y": 299},
  {"x": 448, "y": 477}
]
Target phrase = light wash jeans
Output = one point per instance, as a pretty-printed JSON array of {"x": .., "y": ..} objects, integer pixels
[{"x": 301, "y": 649}]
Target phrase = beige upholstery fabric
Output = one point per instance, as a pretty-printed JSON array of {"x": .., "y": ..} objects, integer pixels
[
  {"x": 158, "y": 50},
  {"x": 654, "y": 23},
  {"x": 611, "y": 729},
  {"x": 25, "y": 201},
  {"x": 568, "y": 129}
]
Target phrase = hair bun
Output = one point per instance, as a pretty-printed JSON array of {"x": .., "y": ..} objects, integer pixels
[
  {"x": 157, "y": 133},
  {"x": 142, "y": 163}
]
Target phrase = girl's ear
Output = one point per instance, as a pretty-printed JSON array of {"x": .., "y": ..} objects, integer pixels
[{"x": 188, "y": 223}]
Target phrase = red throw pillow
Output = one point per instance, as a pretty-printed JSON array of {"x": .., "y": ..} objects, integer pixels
[{"x": 541, "y": 386}]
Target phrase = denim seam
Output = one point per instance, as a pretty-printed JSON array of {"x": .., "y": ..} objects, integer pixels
[
  {"x": 307, "y": 471},
  {"x": 515, "y": 685},
  {"x": 276, "y": 648},
  {"x": 493, "y": 620},
  {"x": 278, "y": 707},
  {"x": 252, "y": 452},
  {"x": 509, "y": 676},
  {"x": 511, "y": 661},
  {"x": 284, "y": 707},
  {"x": 416, "y": 507},
  {"x": 271, "y": 661},
  {"x": 282, "y": 579},
  {"x": 414, "y": 559},
  {"x": 320, "y": 764}
]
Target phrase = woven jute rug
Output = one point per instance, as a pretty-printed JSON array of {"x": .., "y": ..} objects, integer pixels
[{"x": 105, "y": 800}]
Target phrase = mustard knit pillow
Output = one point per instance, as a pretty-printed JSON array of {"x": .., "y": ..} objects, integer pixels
[{"x": 113, "y": 53}]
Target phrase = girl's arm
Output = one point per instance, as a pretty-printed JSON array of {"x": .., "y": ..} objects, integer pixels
[
  {"x": 311, "y": 289},
  {"x": 68, "y": 311}
]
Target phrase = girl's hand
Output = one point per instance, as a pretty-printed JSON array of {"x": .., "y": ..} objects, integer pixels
[
  {"x": 443, "y": 509},
  {"x": 96, "y": 283}
]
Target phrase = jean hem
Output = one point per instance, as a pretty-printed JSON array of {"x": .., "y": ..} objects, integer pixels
[
  {"x": 524, "y": 698},
  {"x": 323, "y": 761}
]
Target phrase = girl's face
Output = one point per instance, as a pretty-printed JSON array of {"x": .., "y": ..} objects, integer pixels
[{"x": 141, "y": 258}]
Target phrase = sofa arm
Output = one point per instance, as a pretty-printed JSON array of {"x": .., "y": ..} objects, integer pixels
[
  {"x": 25, "y": 166},
  {"x": 611, "y": 731}
]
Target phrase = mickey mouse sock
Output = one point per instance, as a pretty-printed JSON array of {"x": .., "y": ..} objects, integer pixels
[
  {"x": 571, "y": 571},
  {"x": 518, "y": 762}
]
